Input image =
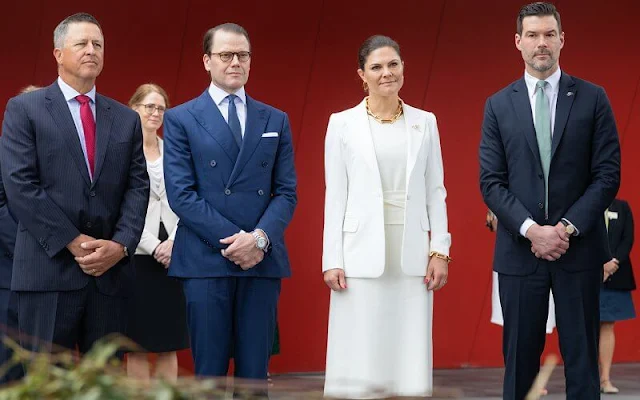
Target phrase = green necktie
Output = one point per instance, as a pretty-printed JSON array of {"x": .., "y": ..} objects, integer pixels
[{"x": 543, "y": 134}]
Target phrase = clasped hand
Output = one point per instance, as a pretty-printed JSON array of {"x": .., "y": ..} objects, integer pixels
[
  {"x": 242, "y": 250},
  {"x": 548, "y": 242},
  {"x": 610, "y": 268},
  {"x": 95, "y": 256}
]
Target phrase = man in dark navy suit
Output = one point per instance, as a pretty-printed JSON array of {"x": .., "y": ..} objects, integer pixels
[
  {"x": 75, "y": 176},
  {"x": 230, "y": 178},
  {"x": 549, "y": 167}
]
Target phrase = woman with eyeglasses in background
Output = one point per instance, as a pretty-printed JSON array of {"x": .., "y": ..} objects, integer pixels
[{"x": 157, "y": 316}]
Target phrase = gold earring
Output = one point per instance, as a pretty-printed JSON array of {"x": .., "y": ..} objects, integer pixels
[{"x": 365, "y": 86}]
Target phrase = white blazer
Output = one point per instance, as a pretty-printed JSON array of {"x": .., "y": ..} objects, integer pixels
[
  {"x": 157, "y": 210},
  {"x": 354, "y": 237}
]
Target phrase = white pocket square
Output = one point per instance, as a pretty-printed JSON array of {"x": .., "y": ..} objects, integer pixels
[{"x": 270, "y": 134}]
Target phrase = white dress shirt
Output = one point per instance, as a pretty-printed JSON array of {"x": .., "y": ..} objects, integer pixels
[
  {"x": 219, "y": 97},
  {"x": 70, "y": 94}
]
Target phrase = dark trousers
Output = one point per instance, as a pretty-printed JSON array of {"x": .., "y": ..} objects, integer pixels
[
  {"x": 9, "y": 327},
  {"x": 230, "y": 311},
  {"x": 525, "y": 305},
  {"x": 54, "y": 321}
]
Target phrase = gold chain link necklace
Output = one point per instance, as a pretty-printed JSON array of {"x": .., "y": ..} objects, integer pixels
[{"x": 391, "y": 120}]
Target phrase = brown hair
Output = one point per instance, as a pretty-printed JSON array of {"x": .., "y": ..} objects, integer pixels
[
  {"x": 539, "y": 9},
  {"x": 30, "y": 88},
  {"x": 373, "y": 43},
  {"x": 143, "y": 90},
  {"x": 207, "y": 41}
]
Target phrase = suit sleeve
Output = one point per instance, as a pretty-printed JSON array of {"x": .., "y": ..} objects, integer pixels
[
  {"x": 436, "y": 192},
  {"x": 279, "y": 212},
  {"x": 335, "y": 203},
  {"x": 29, "y": 200},
  {"x": 605, "y": 170},
  {"x": 494, "y": 175},
  {"x": 182, "y": 188},
  {"x": 8, "y": 225},
  {"x": 134, "y": 204},
  {"x": 623, "y": 251}
]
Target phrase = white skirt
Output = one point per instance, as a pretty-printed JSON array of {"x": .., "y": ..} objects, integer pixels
[
  {"x": 496, "y": 308},
  {"x": 379, "y": 341}
]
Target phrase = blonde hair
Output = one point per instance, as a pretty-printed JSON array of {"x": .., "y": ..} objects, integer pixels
[
  {"x": 143, "y": 90},
  {"x": 30, "y": 88}
]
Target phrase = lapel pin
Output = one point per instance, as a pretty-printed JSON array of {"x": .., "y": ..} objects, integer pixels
[
  {"x": 416, "y": 127},
  {"x": 569, "y": 94}
]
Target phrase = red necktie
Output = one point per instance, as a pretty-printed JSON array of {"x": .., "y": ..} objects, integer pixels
[{"x": 89, "y": 127}]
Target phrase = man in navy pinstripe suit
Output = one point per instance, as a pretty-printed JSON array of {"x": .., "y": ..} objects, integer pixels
[{"x": 75, "y": 175}]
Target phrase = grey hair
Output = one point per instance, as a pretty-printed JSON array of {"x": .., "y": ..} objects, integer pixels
[{"x": 60, "y": 33}]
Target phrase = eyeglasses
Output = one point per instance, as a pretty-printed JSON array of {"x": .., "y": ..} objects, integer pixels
[
  {"x": 151, "y": 108},
  {"x": 226, "y": 56}
]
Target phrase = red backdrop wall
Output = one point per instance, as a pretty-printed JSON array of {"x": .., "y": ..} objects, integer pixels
[{"x": 304, "y": 62}]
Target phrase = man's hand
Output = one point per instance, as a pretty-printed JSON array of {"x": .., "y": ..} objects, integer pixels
[
  {"x": 437, "y": 273},
  {"x": 75, "y": 245},
  {"x": 610, "y": 268},
  {"x": 242, "y": 250},
  {"x": 548, "y": 242},
  {"x": 162, "y": 253},
  {"x": 105, "y": 254},
  {"x": 335, "y": 279}
]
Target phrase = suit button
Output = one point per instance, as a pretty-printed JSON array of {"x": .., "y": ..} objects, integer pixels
[
  {"x": 92, "y": 193},
  {"x": 408, "y": 197},
  {"x": 265, "y": 164},
  {"x": 260, "y": 192},
  {"x": 540, "y": 176},
  {"x": 89, "y": 225},
  {"x": 213, "y": 163},
  {"x": 540, "y": 205},
  {"x": 227, "y": 192}
]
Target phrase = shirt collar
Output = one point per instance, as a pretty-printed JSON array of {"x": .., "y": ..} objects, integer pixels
[
  {"x": 218, "y": 95},
  {"x": 70, "y": 93},
  {"x": 553, "y": 81}
]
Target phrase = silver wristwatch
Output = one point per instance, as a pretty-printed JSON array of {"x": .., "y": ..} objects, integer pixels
[{"x": 261, "y": 242}]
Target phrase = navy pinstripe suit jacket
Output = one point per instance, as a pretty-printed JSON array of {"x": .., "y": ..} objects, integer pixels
[
  {"x": 53, "y": 198},
  {"x": 8, "y": 228}
]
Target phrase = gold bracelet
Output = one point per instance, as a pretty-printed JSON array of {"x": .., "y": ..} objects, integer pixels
[{"x": 440, "y": 256}]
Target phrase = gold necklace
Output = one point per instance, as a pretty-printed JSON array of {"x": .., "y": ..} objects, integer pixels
[{"x": 391, "y": 120}]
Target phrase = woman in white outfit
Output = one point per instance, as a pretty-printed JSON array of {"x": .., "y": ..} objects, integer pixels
[
  {"x": 157, "y": 309},
  {"x": 386, "y": 241}
]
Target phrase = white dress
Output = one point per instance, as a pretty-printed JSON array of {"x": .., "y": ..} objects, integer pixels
[
  {"x": 379, "y": 341},
  {"x": 496, "y": 308}
]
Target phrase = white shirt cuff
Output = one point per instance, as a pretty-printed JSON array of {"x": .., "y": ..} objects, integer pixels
[{"x": 525, "y": 226}]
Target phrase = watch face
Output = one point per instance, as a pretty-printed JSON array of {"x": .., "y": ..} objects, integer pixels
[
  {"x": 570, "y": 229},
  {"x": 262, "y": 242}
]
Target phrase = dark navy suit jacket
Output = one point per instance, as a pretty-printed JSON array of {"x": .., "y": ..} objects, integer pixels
[
  {"x": 53, "y": 198},
  {"x": 218, "y": 189},
  {"x": 621, "y": 242},
  {"x": 583, "y": 179},
  {"x": 8, "y": 229}
]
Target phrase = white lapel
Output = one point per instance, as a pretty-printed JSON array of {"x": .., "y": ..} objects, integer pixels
[
  {"x": 362, "y": 130},
  {"x": 416, "y": 128}
]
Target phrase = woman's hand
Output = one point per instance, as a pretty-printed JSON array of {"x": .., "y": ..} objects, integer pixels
[
  {"x": 162, "y": 253},
  {"x": 334, "y": 278},
  {"x": 437, "y": 273},
  {"x": 610, "y": 268}
]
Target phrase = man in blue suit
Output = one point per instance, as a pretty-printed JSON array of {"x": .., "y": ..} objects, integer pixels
[
  {"x": 230, "y": 177},
  {"x": 75, "y": 177},
  {"x": 549, "y": 167}
]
